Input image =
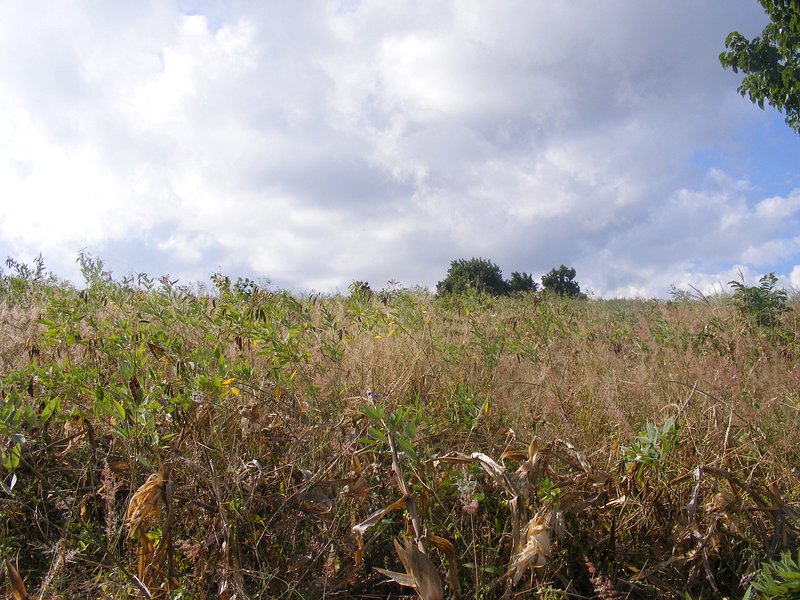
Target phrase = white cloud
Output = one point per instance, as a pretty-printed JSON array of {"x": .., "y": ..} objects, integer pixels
[
  {"x": 778, "y": 208},
  {"x": 794, "y": 277},
  {"x": 317, "y": 144}
]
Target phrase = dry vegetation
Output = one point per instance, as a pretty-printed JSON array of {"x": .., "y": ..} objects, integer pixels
[{"x": 164, "y": 442}]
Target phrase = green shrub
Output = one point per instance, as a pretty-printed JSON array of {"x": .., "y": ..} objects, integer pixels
[{"x": 763, "y": 303}]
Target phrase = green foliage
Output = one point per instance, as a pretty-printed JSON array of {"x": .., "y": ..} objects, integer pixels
[
  {"x": 360, "y": 288},
  {"x": 402, "y": 423},
  {"x": 522, "y": 282},
  {"x": 476, "y": 274},
  {"x": 24, "y": 283},
  {"x": 562, "y": 282},
  {"x": 651, "y": 446},
  {"x": 771, "y": 61},
  {"x": 763, "y": 303},
  {"x": 777, "y": 579},
  {"x": 484, "y": 277}
]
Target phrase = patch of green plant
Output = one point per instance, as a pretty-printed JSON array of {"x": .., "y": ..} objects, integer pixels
[
  {"x": 762, "y": 303},
  {"x": 777, "y": 579},
  {"x": 651, "y": 446},
  {"x": 466, "y": 406},
  {"x": 403, "y": 423}
]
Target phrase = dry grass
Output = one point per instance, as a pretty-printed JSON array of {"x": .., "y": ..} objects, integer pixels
[{"x": 306, "y": 447}]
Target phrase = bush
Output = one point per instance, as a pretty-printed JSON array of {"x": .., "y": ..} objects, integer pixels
[{"x": 763, "y": 303}]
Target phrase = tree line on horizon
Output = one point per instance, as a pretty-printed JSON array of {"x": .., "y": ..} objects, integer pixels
[
  {"x": 485, "y": 277},
  {"x": 482, "y": 275}
]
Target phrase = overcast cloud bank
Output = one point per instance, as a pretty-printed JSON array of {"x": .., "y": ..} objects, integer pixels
[{"x": 318, "y": 143}]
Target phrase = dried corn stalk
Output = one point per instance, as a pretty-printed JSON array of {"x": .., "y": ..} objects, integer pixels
[
  {"x": 420, "y": 573},
  {"x": 536, "y": 549},
  {"x": 143, "y": 509},
  {"x": 145, "y": 505}
]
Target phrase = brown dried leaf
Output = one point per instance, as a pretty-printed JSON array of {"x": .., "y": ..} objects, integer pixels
[
  {"x": 533, "y": 448},
  {"x": 515, "y": 455},
  {"x": 401, "y": 578},
  {"x": 17, "y": 585},
  {"x": 145, "y": 504},
  {"x": 145, "y": 553},
  {"x": 724, "y": 502},
  {"x": 375, "y": 517},
  {"x": 496, "y": 472},
  {"x": 420, "y": 571},
  {"x": 446, "y": 546},
  {"x": 359, "y": 487},
  {"x": 537, "y": 547},
  {"x": 156, "y": 350},
  {"x": 571, "y": 455}
]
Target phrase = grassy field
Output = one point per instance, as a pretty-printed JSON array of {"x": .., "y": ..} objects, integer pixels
[{"x": 167, "y": 442}]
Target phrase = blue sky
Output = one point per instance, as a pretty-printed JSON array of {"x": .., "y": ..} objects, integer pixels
[{"x": 323, "y": 142}]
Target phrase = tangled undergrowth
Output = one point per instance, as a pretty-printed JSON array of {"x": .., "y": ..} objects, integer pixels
[{"x": 169, "y": 442}]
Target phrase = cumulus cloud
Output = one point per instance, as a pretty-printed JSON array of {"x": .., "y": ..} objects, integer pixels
[{"x": 325, "y": 142}]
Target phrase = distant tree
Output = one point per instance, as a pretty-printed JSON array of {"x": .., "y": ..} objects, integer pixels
[
  {"x": 771, "y": 61},
  {"x": 562, "y": 282},
  {"x": 474, "y": 274},
  {"x": 522, "y": 282}
]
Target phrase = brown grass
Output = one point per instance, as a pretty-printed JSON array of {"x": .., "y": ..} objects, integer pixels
[{"x": 268, "y": 419}]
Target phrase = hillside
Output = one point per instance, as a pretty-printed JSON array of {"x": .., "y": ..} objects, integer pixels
[{"x": 173, "y": 442}]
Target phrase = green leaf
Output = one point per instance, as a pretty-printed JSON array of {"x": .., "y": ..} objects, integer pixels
[
  {"x": 405, "y": 444},
  {"x": 378, "y": 434},
  {"x": 10, "y": 460},
  {"x": 51, "y": 407},
  {"x": 373, "y": 413}
]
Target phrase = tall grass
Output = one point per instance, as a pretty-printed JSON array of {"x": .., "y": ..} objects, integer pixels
[{"x": 653, "y": 444}]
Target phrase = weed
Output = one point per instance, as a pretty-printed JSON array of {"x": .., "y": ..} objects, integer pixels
[
  {"x": 763, "y": 303},
  {"x": 776, "y": 579}
]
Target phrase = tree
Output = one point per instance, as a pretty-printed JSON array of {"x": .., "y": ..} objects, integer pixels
[
  {"x": 771, "y": 61},
  {"x": 522, "y": 282},
  {"x": 474, "y": 274},
  {"x": 562, "y": 282}
]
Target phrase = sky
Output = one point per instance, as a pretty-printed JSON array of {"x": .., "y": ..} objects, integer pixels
[{"x": 317, "y": 143}]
